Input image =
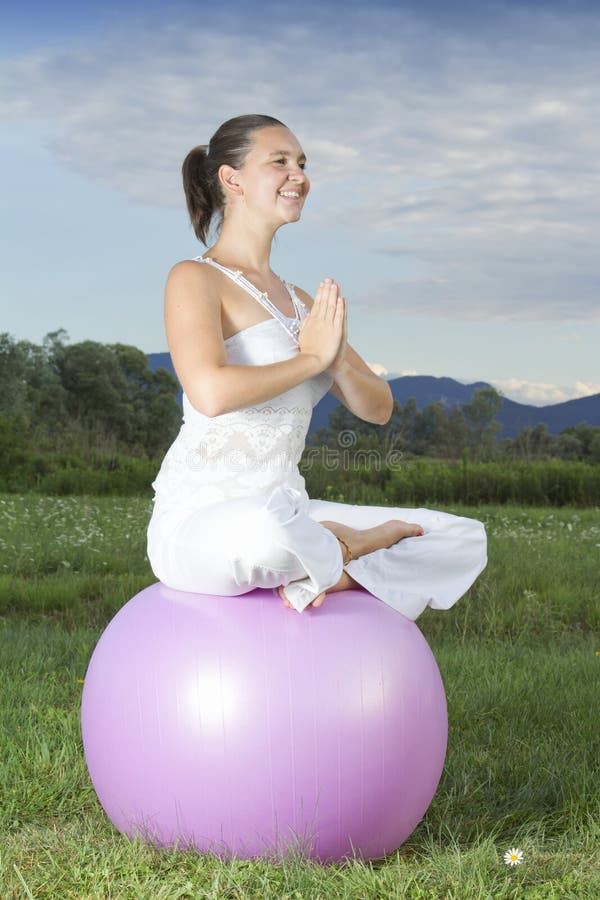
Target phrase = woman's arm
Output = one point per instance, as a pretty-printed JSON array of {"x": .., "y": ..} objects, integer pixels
[
  {"x": 195, "y": 337},
  {"x": 361, "y": 391}
]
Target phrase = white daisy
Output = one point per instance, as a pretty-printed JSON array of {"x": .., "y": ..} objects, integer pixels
[{"x": 513, "y": 857}]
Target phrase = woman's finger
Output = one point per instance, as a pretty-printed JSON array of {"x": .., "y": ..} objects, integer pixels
[
  {"x": 322, "y": 298},
  {"x": 333, "y": 300},
  {"x": 318, "y": 296}
]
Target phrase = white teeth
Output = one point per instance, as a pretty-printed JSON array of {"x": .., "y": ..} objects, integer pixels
[{"x": 290, "y": 194}]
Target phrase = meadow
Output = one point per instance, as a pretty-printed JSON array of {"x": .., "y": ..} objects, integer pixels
[{"x": 519, "y": 655}]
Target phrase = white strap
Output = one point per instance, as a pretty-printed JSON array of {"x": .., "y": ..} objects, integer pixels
[{"x": 237, "y": 276}]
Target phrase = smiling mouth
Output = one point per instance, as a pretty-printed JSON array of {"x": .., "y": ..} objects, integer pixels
[{"x": 290, "y": 195}]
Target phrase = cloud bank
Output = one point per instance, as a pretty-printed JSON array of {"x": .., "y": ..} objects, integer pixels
[{"x": 470, "y": 158}]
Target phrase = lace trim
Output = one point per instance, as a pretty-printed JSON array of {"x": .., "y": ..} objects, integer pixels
[
  {"x": 266, "y": 439},
  {"x": 291, "y": 410}
]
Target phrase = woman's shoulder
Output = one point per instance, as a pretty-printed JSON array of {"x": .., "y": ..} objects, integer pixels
[
  {"x": 188, "y": 281},
  {"x": 189, "y": 268},
  {"x": 190, "y": 275}
]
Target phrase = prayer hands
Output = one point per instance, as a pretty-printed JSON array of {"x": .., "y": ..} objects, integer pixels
[{"x": 323, "y": 331}]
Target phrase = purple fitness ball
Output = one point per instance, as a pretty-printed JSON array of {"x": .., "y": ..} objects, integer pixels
[{"x": 236, "y": 726}]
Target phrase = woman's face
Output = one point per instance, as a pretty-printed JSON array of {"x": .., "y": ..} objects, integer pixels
[{"x": 272, "y": 177}]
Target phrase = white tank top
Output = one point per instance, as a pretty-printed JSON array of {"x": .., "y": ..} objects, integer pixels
[{"x": 250, "y": 450}]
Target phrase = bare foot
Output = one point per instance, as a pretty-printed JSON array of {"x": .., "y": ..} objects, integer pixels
[
  {"x": 345, "y": 583},
  {"x": 360, "y": 542},
  {"x": 366, "y": 540},
  {"x": 316, "y": 602}
]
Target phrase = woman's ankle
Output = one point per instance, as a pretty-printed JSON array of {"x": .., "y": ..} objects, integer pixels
[
  {"x": 349, "y": 539},
  {"x": 345, "y": 583}
]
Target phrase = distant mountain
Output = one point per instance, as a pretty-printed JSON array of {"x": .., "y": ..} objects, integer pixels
[
  {"x": 427, "y": 389},
  {"x": 558, "y": 416},
  {"x": 160, "y": 361}
]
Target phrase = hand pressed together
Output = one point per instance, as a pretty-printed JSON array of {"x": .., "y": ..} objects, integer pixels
[{"x": 323, "y": 332}]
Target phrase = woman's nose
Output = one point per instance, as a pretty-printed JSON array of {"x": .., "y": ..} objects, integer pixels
[{"x": 298, "y": 173}]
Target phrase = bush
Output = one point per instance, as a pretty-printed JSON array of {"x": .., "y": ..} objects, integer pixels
[{"x": 418, "y": 482}]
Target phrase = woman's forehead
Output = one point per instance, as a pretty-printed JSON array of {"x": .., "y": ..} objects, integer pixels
[{"x": 275, "y": 140}]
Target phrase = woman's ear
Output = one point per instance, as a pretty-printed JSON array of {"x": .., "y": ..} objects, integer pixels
[{"x": 229, "y": 178}]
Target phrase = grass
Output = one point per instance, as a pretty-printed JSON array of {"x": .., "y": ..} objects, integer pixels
[{"x": 520, "y": 660}]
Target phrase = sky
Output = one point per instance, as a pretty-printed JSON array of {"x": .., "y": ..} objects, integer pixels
[{"x": 453, "y": 151}]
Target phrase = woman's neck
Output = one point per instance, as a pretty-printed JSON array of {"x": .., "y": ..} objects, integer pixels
[{"x": 245, "y": 248}]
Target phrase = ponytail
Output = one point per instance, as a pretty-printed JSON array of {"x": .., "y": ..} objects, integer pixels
[{"x": 198, "y": 194}]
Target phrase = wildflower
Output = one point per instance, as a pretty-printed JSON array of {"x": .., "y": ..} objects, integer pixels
[{"x": 513, "y": 857}]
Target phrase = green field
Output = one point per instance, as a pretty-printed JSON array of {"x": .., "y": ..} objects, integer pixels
[{"x": 520, "y": 660}]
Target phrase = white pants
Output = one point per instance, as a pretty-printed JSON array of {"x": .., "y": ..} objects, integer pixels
[{"x": 232, "y": 547}]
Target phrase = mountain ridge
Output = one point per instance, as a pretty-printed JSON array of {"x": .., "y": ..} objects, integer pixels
[{"x": 513, "y": 416}]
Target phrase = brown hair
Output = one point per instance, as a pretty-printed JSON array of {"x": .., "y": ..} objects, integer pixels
[{"x": 229, "y": 146}]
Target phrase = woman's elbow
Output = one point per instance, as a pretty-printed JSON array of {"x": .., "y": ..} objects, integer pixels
[
  {"x": 204, "y": 397},
  {"x": 387, "y": 409}
]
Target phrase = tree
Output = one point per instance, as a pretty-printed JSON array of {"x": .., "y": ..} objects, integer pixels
[
  {"x": 585, "y": 434},
  {"x": 431, "y": 430},
  {"x": 30, "y": 385},
  {"x": 13, "y": 376},
  {"x": 409, "y": 418},
  {"x": 480, "y": 415},
  {"x": 97, "y": 388},
  {"x": 568, "y": 446},
  {"x": 594, "y": 449},
  {"x": 458, "y": 433},
  {"x": 534, "y": 443},
  {"x": 85, "y": 394},
  {"x": 152, "y": 396}
]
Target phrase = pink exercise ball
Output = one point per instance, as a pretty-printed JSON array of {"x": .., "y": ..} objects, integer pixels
[{"x": 236, "y": 726}]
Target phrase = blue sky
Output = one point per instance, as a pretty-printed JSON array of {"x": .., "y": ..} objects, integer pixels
[{"x": 453, "y": 151}]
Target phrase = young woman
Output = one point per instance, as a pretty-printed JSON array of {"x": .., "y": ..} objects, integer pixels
[{"x": 254, "y": 355}]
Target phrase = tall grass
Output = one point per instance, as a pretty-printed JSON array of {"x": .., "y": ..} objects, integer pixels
[
  {"x": 421, "y": 481},
  {"x": 364, "y": 477}
]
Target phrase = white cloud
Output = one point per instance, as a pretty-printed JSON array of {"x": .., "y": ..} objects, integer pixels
[
  {"x": 534, "y": 393},
  {"x": 541, "y": 393},
  {"x": 476, "y": 154},
  {"x": 550, "y": 109},
  {"x": 584, "y": 389},
  {"x": 381, "y": 370},
  {"x": 378, "y": 369}
]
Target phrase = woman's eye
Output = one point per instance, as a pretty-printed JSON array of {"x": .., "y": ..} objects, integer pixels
[{"x": 302, "y": 165}]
